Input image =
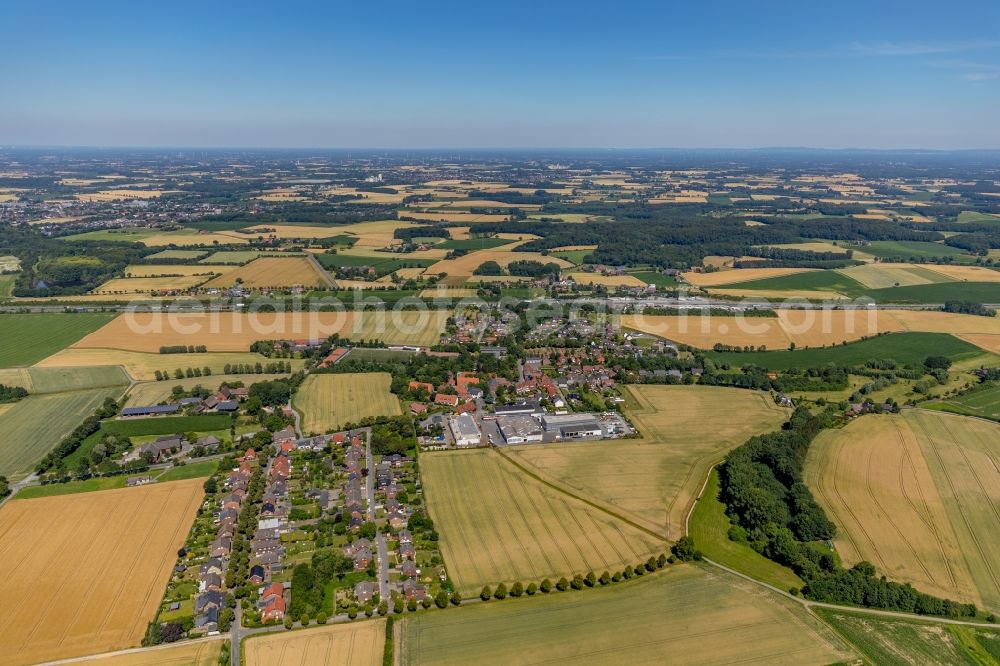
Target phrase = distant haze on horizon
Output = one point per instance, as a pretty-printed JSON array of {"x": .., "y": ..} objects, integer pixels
[{"x": 452, "y": 75}]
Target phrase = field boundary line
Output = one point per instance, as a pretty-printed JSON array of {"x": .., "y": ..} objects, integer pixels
[
  {"x": 137, "y": 650},
  {"x": 586, "y": 501}
]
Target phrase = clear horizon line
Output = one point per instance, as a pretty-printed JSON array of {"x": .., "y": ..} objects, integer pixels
[{"x": 16, "y": 146}]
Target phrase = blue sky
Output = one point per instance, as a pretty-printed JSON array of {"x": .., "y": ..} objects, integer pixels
[{"x": 511, "y": 74}]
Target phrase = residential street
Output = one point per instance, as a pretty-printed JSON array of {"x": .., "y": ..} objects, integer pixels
[
  {"x": 383, "y": 567},
  {"x": 383, "y": 550}
]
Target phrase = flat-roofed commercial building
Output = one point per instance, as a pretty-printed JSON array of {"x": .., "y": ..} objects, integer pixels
[
  {"x": 519, "y": 428},
  {"x": 572, "y": 426},
  {"x": 465, "y": 431}
]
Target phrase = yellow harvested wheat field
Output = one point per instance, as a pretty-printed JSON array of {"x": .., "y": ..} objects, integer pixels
[
  {"x": 980, "y": 331},
  {"x": 235, "y": 332},
  {"x": 966, "y": 273},
  {"x": 145, "y": 285},
  {"x": 607, "y": 280},
  {"x": 813, "y": 328},
  {"x": 497, "y": 524},
  {"x": 465, "y": 265},
  {"x": 327, "y": 402},
  {"x": 705, "y": 331},
  {"x": 274, "y": 273},
  {"x": 378, "y": 233},
  {"x": 355, "y": 644},
  {"x": 154, "y": 270},
  {"x": 736, "y": 276},
  {"x": 816, "y": 328},
  {"x": 85, "y": 573},
  {"x": 143, "y": 365},
  {"x": 916, "y": 494},
  {"x": 409, "y": 273},
  {"x": 781, "y": 294},
  {"x": 655, "y": 480},
  {"x": 192, "y": 653}
]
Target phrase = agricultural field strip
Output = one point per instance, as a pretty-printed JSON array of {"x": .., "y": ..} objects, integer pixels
[
  {"x": 34, "y": 425},
  {"x": 934, "y": 500},
  {"x": 593, "y": 628},
  {"x": 652, "y": 483},
  {"x": 328, "y": 401},
  {"x": 234, "y": 332},
  {"x": 813, "y": 328},
  {"x": 984, "y": 569},
  {"x": 354, "y": 644},
  {"x": 142, "y": 366},
  {"x": 29, "y": 338},
  {"x": 28, "y": 628},
  {"x": 484, "y": 528}
]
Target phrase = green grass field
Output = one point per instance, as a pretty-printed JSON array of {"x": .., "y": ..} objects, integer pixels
[
  {"x": 34, "y": 425},
  {"x": 473, "y": 244},
  {"x": 983, "y": 402},
  {"x": 168, "y": 425},
  {"x": 981, "y": 292},
  {"x": 121, "y": 235},
  {"x": 834, "y": 281},
  {"x": 659, "y": 279},
  {"x": 684, "y": 615},
  {"x": 810, "y": 281},
  {"x": 975, "y": 216},
  {"x": 73, "y": 487},
  {"x": 231, "y": 257},
  {"x": 58, "y": 380},
  {"x": 190, "y": 255},
  {"x": 28, "y": 338},
  {"x": 192, "y": 471},
  {"x": 378, "y": 355},
  {"x": 918, "y": 250},
  {"x": 572, "y": 256},
  {"x": 709, "y": 527},
  {"x": 7, "y": 285},
  {"x": 904, "y": 348},
  {"x": 901, "y": 642}
]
